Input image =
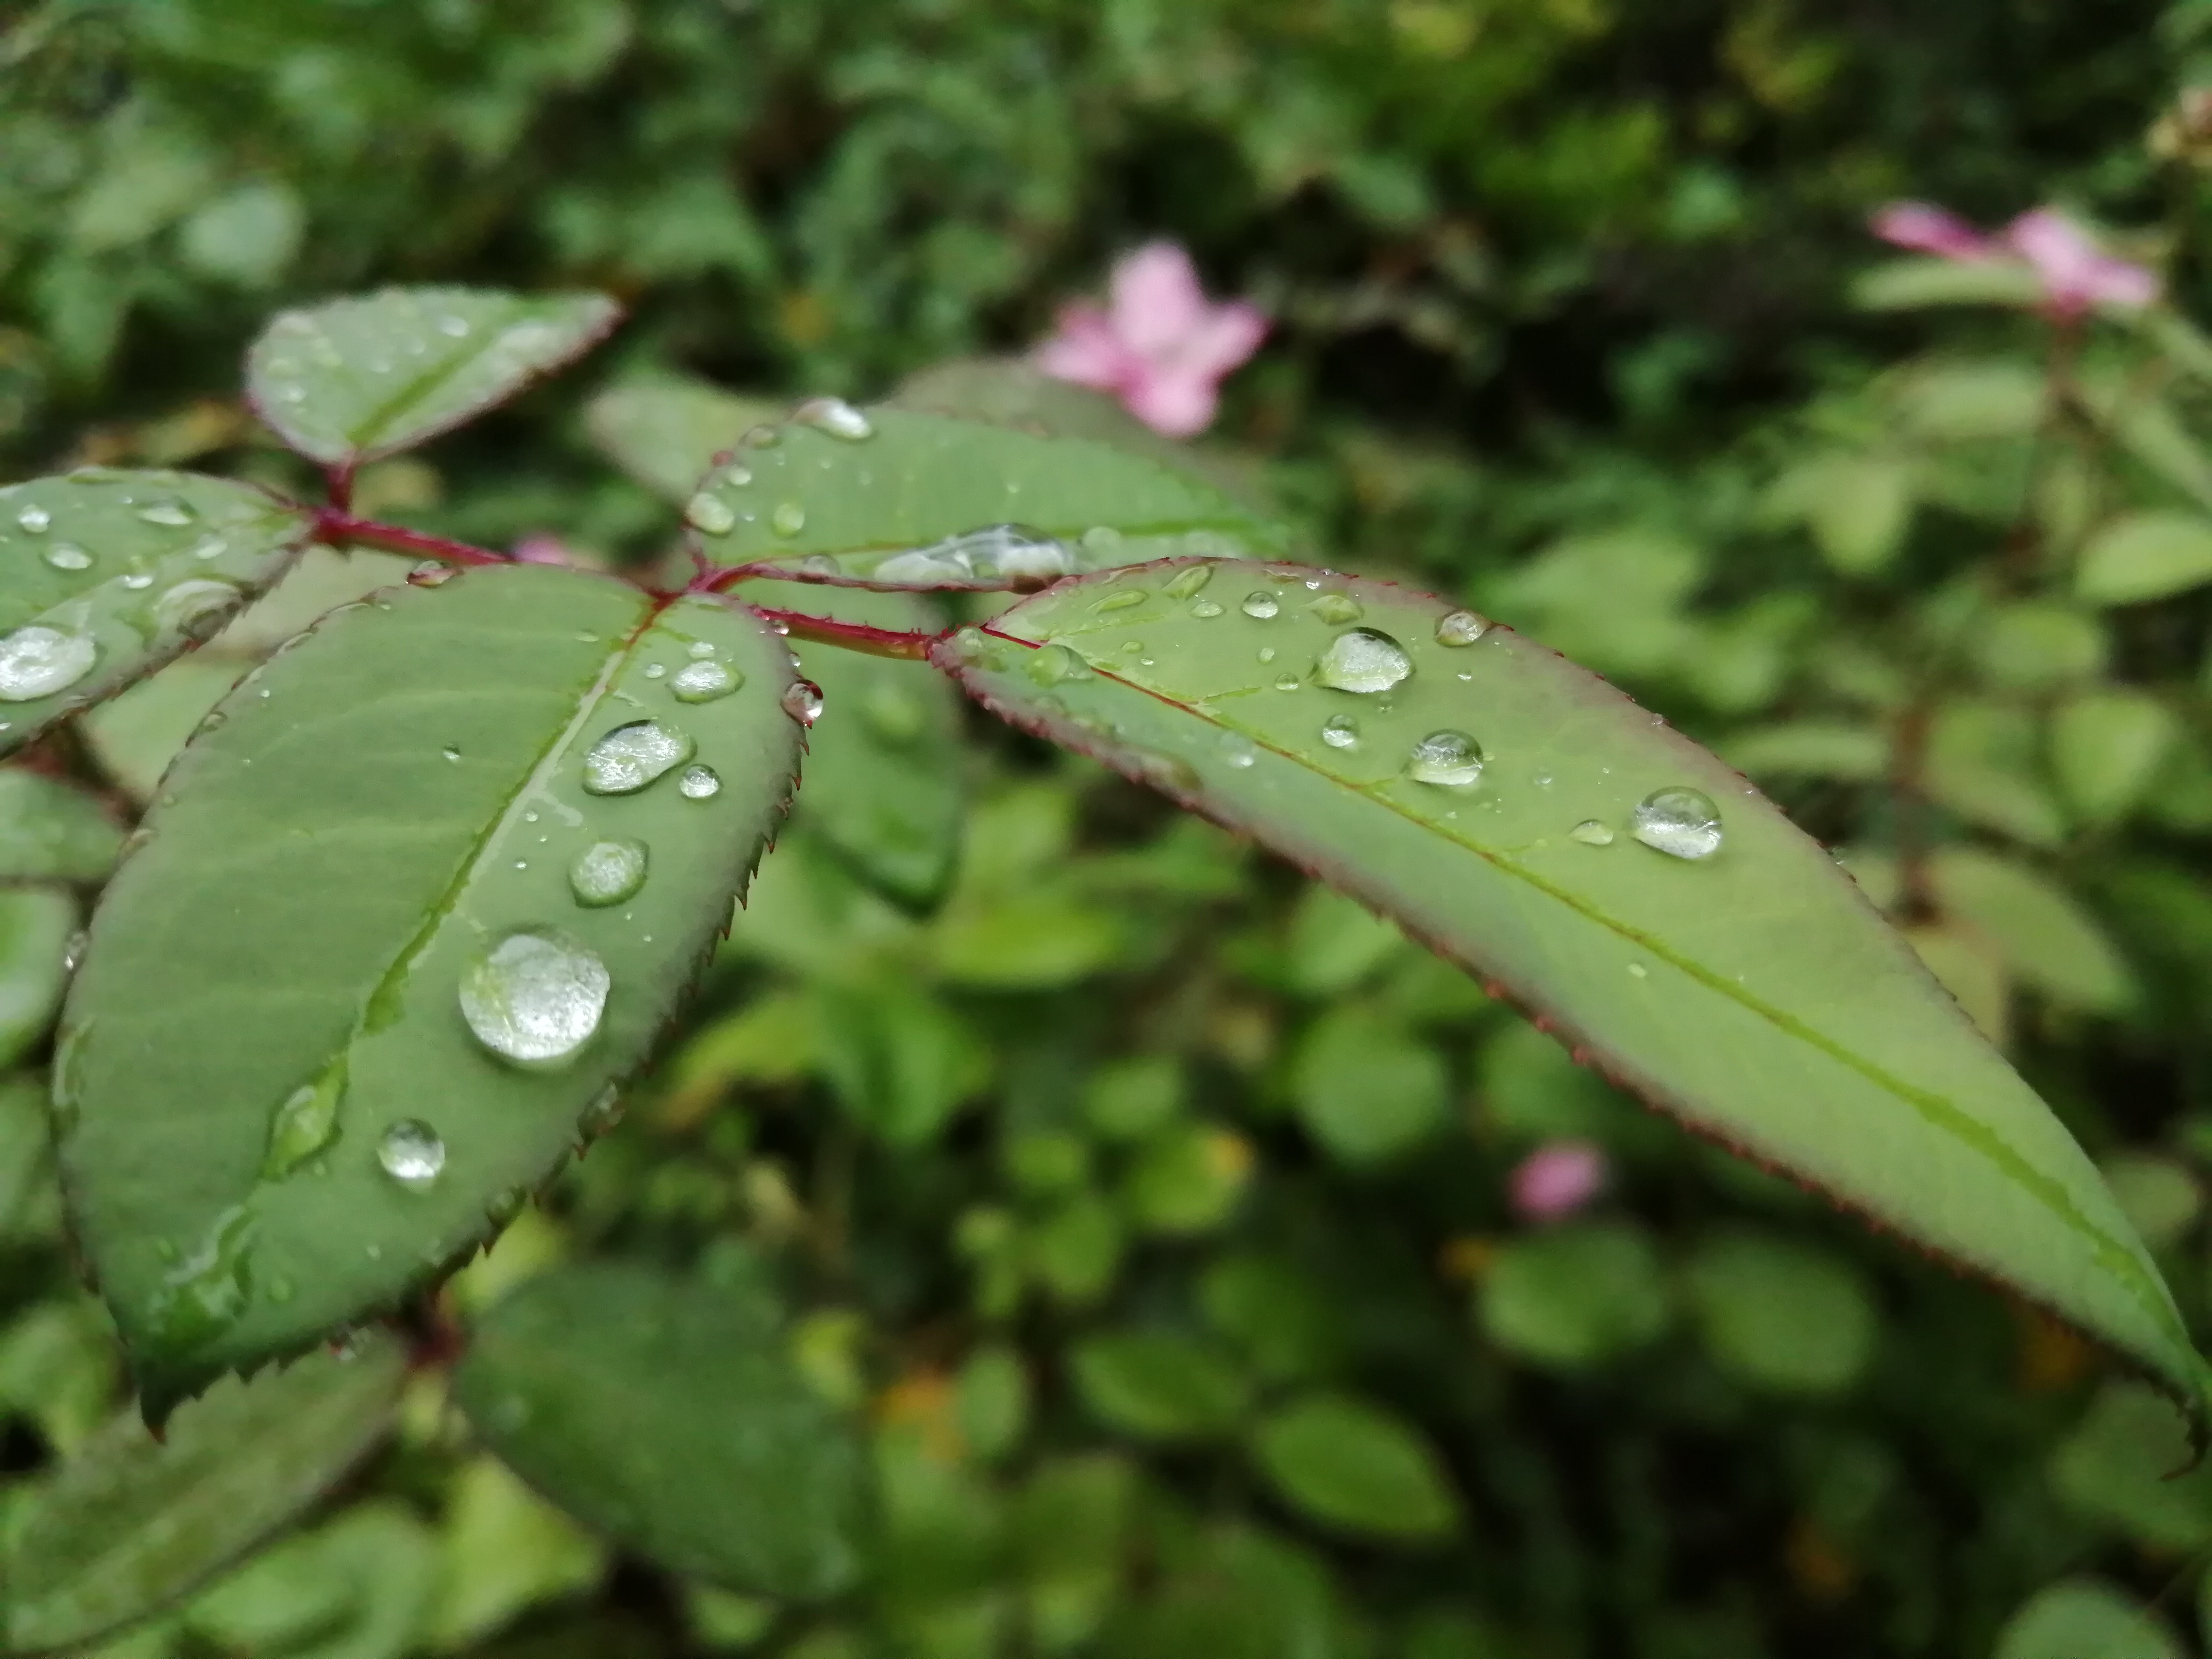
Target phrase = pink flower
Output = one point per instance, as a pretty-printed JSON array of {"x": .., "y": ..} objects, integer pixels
[
  {"x": 2076, "y": 275},
  {"x": 542, "y": 549},
  {"x": 1159, "y": 344},
  {"x": 1557, "y": 1179}
]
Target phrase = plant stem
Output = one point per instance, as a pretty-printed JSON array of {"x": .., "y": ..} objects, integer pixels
[
  {"x": 851, "y": 636},
  {"x": 339, "y": 529}
]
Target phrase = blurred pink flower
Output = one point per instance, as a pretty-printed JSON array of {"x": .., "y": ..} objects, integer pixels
[
  {"x": 2076, "y": 275},
  {"x": 1159, "y": 344},
  {"x": 542, "y": 549},
  {"x": 1557, "y": 1179}
]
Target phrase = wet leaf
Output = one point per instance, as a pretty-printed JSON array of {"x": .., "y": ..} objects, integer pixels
[
  {"x": 386, "y": 953},
  {"x": 346, "y": 382},
  {"x": 104, "y": 575},
  {"x": 665, "y": 434},
  {"x": 1532, "y": 824},
  {"x": 130, "y": 1525},
  {"x": 668, "y": 1413},
  {"x": 50, "y": 830}
]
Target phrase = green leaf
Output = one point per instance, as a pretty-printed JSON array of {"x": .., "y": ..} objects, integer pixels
[
  {"x": 1160, "y": 1386},
  {"x": 665, "y": 434},
  {"x": 26, "y": 1153},
  {"x": 2128, "y": 1466},
  {"x": 2145, "y": 555},
  {"x": 1854, "y": 754},
  {"x": 1575, "y": 1296},
  {"x": 129, "y": 1524},
  {"x": 1365, "y": 1088},
  {"x": 668, "y": 1413},
  {"x": 360, "y": 1587},
  {"x": 929, "y": 502},
  {"x": 135, "y": 735},
  {"x": 2107, "y": 745},
  {"x": 2086, "y": 1618},
  {"x": 2043, "y": 935},
  {"x": 346, "y": 382},
  {"x": 506, "y": 1550},
  {"x": 36, "y": 927},
  {"x": 50, "y": 830},
  {"x": 1698, "y": 981},
  {"x": 104, "y": 575},
  {"x": 1912, "y": 284},
  {"x": 380, "y": 836},
  {"x": 1353, "y": 1466},
  {"x": 1857, "y": 507},
  {"x": 1781, "y": 1315}
]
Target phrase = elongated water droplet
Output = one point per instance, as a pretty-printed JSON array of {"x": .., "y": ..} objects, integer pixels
[
  {"x": 1237, "y": 750},
  {"x": 430, "y": 574},
  {"x": 699, "y": 783},
  {"x": 411, "y": 1153},
  {"x": 835, "y": 416},
  {"x": 704, "y": 681},
  {"x": 1051, "y": 665},
  {"x": 1337, "y": 608},
  {"x": 802, "y": 700},
  {"x": 204, "y": 1294},
  {"x": 536, "y": 997},
  {"x": 167, "y": 511},
  {"x": 68, "y": 555},
  {"x": 1127, "y": 599},
  {"x": 761, "y": 437},
  {"x": 631, "y": 756},
  {"x": 210, "y": 547},
  {"x": 36, "y": 520},
  {"x": 453, "y": 327},
  {"x": 138, "y": 581},
  {"x": 1341, "y": 732},
  {"x": 788, "y": 518},
  {"x": 607, "y": 872},
  {"x": 710, "y": 514},
  {"x": 1361, "y": 659},
  {"x": 304, "y": 1121},
  {"x": 38, "y": 661},
  {"x": 1260, "y": 606},
  {"x": 1461, "y": 628},
  {"x": 193, "y": 609},
  {"x": 1451, "y": 758},
  {"x": 1681, "y": 822},
  {"x": 1205, "y": 610},
  {"x": 1185, "y": 584},
  {"x": 1591, "y": 833}
]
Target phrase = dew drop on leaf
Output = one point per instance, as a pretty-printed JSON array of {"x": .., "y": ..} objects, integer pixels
[
  {"x": 304, "y": 1121},
  {"x": 699, "y": 783},
  {"x": 1451, "y": 758},
  {"x": 1205, "y": 610},
  {"x": 631, "y": 756},
  {"x": 1341, "y": 732},
  {"x": 191, "y": 610},
  {"x": 1591, "y": 833},
  {"x": 607, "y": 872},
  {"x": 1186, "y": 584},
  {"x": 602, "y": 1113},
  {"x": 1124, "y": 600},
  {"x": 835, "y": 416},
  {"x": 1461, "y": 628},
  {"x": 704, "y": 681},
  {"x": 430, "y": 574},
  {"x": 536, "y": 997},
  {"x": 1237, "y": 750},
  {"x": 1680, "y": 822},
  {"x": 788, "y": 518},
  {"x": 167, "y": 511},
  {"x": 710, "y": 514},
  {"x": 411, "y": 1153},
  {"x": 1259, "y": 606},
  {"x": 818, "y": 564},
  {"x": 207, "y": 1291},
  {"x": 210, "y": 547},
  {"x": 68, "y": 555},
  {"x": 38, "y": 661},
  {"x": 34, "y": 520},
  {"x": 699, "y": 650},
  {"x": 1286, "y": 683},
  {"x": 138, "y": 581},
  {"x": 452, "y": 327},
  {"x": 802, "y": 700},
  {"x": 1363, "y": 660},
  {"x": 1337, "y": 608},
  {"x": 1051, "y": 665}
]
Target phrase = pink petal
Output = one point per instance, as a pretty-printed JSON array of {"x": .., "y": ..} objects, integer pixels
[
  {"x": 2076, "y": 274},
  {"x": 1926, "y": 229},
  {"x": 1558, "y": 1179},
  {"x": 1156, "y": 301},
  {"x": 542, "y": 550},
  {"x": 1227, "y": 336},
  {"x": 1087, "y": 351},
  {"x": 1176, "y": 404}
]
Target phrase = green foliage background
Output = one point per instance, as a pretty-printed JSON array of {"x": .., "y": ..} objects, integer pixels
[{"x": 1150, "y": 1203}]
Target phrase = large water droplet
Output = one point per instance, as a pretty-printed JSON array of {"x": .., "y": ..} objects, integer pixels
[
  {"x": 193, "y": 609},
  {"x": 631, "y": 756},
  {"x": 607, "y": 872},
  {"x": 788, "y": 518},
  {"x": 1362, "y": 660},
  {"x": 704, "y": 681},
  {"x": 1451, "y": 758},
  {"x": 304, "y": 1121},
  {"x": 36, "y": 520},
  {"x": 1341, "y": 732},
  {"x": 835, "y": 416},
  {"x": 1680, "y": 822},
  {"x": 709, "y": 513},
  {"x": 1051, "y": 665},
  {"x": 1260, "y": 606},
  {"x": 802, "y": 700},
  {"x": 167, "y": 511},
  {"x": 38, "y": 661},
  {"x": 921, "y": 568},
  {"x": 68, "y": 555},
  {"x": 699, "y": 783},
  {"x": 1461, "y": 628},
  {"x": 1185, "y": 584},
  {"x": 1591, "y": 833},
  {"x": 1337, "y": 608},
  {"x": 411, "y": 1153},
  {"x": 536, "y": 997}
]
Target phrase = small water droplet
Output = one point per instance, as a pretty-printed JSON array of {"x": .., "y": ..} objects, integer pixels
[
  {"x": 1541, "y": 780},
  {"x": 210, "y": 547},
  {"x": 73, "y": 951},
  {"x": 536, "y": 997},
  {"x": 411, "y": 1153},
  {"x": 167, "y": 511},
  {"x": 430, "y": 574},
  {"x": 1260, "y": 606},
  {"x": 1237, "y": 750},
  {"x": 1363, "y": 660},
  {"x": 1461, "y": 628},
  {"x": 1185, "y": 584},
  {"x": 1341, "y": 732},
  {"x": 710, "y": 514},
  {"x": 36, "y": 520},
  {"x": 705, "y": 680},
  {"x": 1205, "y": 610},
  {"x": 802, "y": 700},
  {"x": 631, "y": 756},
  {"x": 304, "y": 1123},
  {"x": 699, "y": 650},
  {"x": 1680, "y": 822},
  {"x": 1335, "y": 608},
  {"x": 1638, "y": 970},
  {"x": 1284, "y": 682},
  {"x": 1052, "y": 665},
  {"x": 68, "y": 555},
  {"x": 204, "y": 1294},
  {"x": 654, "y": 671},
  {"x": 1126, "y": 599},
  {"x": 818, "y": 564},
  {"x": 453, "y": 327},
  {"x": 193, "y": 609},
  {"x": 138, "y": 581},
  {"x": 699, "y": 783},
  {"x": 835, "y": 416},
  {"x": 38, "y": 661},
  {"x": 788, "y": 518},
  {"x": 607, "y": 872},
  {"x": 1450, "y": 758},
  {"x": 761, "y": 437}
]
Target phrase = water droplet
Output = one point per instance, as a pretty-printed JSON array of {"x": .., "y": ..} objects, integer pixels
[
  {"x": 1361, "y": 659},
  {"x": 167, "y": 511},
  {"x": 818, "y": 564},
  {"x": 607, "y": 872},
  {"x": 411, "y": 1153},
  {"x": 835, "y": 416},
  {"x": 1337, "y": 608},
  {"x": 802, "y": 700},
  {"x": 1541, "y": 780},
  {"x": 631, "y": 756},
  {"x": 1051, "y": 665},
  {"x": 68, "y": 555},
  {"x": 654, "y": 671},
  {"x": 1284, "y": 682},
  {"x": 1451, "y": 758},
  {"x": 204, "y": 1294},
  {"x": 1127, "y": 599},
  {"x": 761, "y": 437},
  {"x": 699, "y": 650},
  {"x": 73, "y": 951},
  {"x": 605, "y": 1111},
  {"x": 38, "y": 661},
  {"x": 430, "y": 574},
  {"x": 1461, "y": 628},
  {"x": 304, "y": 1121},
  {"x": 1237, "y": 750},
  {"x": 36, "y": 520},
  {"x": 1341, "y": 732},
  {"x": 788, "y": 518},
  {"x": 138, "y": 581},
  {"x": 450, "y": 752},
  {"x": 1680, "y": 822},
  {"x": 210, "y": 547},
  {"x": 710, "y": 514},
  {"x": 1638, "y": 970},
  {"x": 536, "y": 997},
  {"x": 453, "y": 327},
  {"x": 1260, "y": 606},
  {"x": 699, "y": 783},
  {"x": 1205, "y": 610},
  {"x": 1185, "y": 584},
  {"x": 193, "y": 609},
  {"x": 705, "y": 680}
]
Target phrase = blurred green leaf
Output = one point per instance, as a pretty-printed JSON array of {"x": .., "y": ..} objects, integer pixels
[
  {"x": 1353, "y": 1465},
  {"x": 505, "y": 1549},
  {"x": 2046, "y": 938},
  {"x": 1857, "y": 507},
  {"x": 1781, "y": 1315},
  {"x": 1913, "y": 284},
  {"x": 901, "y": 1060},
  {"x": 37, "y": 925},
  {"x": 1336, "y": 943},
  {"x": 1575, "y": 1296},
  {"x": 665, "y": 434},
  {"x": 2106, "y": 747},
  {"x": 2160, "y": 1196},
  {"x": 1367, "y": 1089},
  {"x": 2129, "y": 1465},
  {"x": 1188, "y": 1179},
  {"x": 50, "y": 830},
  {"x": 1159, "y": 1386},
  {"x": 2081, "y": 1617},
  {"x": 2145, "y": 555},
  {"x": 358, "y": 1587}
]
